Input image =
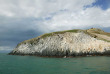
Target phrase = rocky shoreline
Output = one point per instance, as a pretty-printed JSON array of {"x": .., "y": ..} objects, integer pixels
[
  {"x": 70, "y": 56},
  {"x": 69, "y": 43}
]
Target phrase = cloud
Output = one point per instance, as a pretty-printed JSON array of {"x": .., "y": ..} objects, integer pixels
[
  {"x": 91, "y": 17},
  {"x": 5, "y": 48},
  {"x": 37, "y": 12},
  {"x": 39, "y": 8},
  {"x": 53, "y": 15},
  {"x": 25, "y": 19}
]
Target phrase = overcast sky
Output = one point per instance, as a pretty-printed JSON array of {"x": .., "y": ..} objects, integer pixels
[{"x": 24, "y": 19}]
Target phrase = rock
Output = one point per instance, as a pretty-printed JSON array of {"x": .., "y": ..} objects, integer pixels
[{"x": 66, "y": 43}]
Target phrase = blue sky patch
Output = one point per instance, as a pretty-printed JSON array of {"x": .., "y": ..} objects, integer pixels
[{"x": 104, "y": 4}]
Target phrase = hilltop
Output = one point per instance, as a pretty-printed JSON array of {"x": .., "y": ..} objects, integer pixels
[{"x": 75, "y": 42}]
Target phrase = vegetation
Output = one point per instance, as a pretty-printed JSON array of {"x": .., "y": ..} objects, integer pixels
[
  {"x": 92, "y": 32},
  {"x": 60, "y": 32},
  {"x": 34, "y": 40},
  {"x": 99, "y": 34},
  {"x": 98, "y": 31}
]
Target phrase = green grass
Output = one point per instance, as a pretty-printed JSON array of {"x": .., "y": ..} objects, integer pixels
[
  {"x": 93, "y": 31},
  {"x": 34, "y": 40},
  {"x": 59, "y": 32},
  {"x": 89, "y": 32},
  {"x": 98, "y": 31}
]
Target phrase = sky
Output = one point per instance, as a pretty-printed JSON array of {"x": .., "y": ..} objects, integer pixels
[{"x": 24, "y": 19}]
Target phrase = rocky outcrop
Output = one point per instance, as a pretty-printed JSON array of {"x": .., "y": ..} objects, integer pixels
[{"x": 66, "y": 43}]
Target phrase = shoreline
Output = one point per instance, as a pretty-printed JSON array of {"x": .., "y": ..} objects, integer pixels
[{"x": 59, "y": 56}]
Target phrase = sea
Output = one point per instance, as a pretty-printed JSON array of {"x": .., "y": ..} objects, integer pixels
[{"x": 14, "y": 64}]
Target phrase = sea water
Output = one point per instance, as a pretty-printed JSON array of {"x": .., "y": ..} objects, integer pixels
[{"x": 12, "y": 64}]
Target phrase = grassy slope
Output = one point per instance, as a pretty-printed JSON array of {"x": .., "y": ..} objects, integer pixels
[
  {"x": 99, "y": 34},
  {"x": 33, "y": 40},
  {"x": 98, "y": 31},
  {"x": 92, "y": 32}
]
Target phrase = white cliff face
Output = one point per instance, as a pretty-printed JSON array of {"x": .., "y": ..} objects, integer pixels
[{"x": 66, "y": 44}]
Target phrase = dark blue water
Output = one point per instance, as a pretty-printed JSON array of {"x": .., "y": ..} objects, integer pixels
[{"x": 11, "y": 64}]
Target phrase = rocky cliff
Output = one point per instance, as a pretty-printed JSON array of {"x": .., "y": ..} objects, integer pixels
[{"x": 67, "y": 43}]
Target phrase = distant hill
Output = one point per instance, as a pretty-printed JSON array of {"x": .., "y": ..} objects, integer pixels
[{"x": 69, "y": 43}]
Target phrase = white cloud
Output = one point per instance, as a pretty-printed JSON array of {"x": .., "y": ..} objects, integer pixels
[
  {"x": 5, "y": 48},
  {"x": 50, "y": 15},
  {"x": 91, "y": 17},
  {"x": 39, "y": 8},
  {"x": 64, "y": 14}
]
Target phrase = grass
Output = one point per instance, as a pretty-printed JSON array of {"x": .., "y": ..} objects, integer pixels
[
  {"x": 59, "y": 32},
  {"x": 98, "y": 31},
  {"x": 89, "y": 32},
  {"x": 34, "y": 40}
]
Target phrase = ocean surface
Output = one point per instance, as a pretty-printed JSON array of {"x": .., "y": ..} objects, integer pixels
[{"x": 12, "y": 64}]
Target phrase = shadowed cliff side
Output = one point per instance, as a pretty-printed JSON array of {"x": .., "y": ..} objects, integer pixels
[{"x": 67, "y": 43}]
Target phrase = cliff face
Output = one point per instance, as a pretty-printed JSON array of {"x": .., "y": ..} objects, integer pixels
[{"x": 66, "y": 43}]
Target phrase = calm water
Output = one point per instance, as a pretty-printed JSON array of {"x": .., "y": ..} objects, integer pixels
[{"x": 10, "y": 64}]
